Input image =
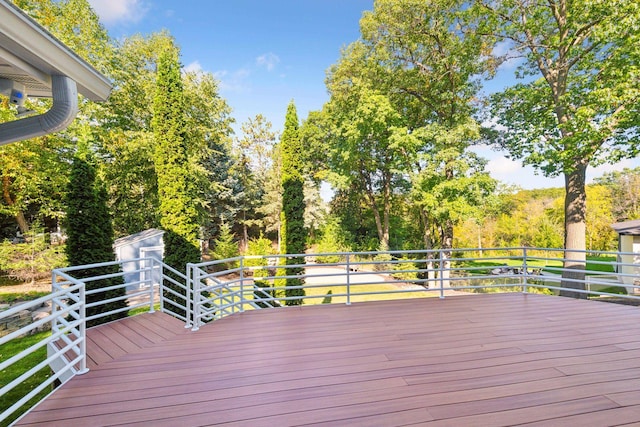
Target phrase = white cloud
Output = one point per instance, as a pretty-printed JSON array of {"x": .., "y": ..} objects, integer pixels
[
  {"x": 501, "y": 166},
  {"x": 195, "y": 66},
  {"x": 116, "y": 11},
  {"x": 268, "y": 60},
  {"x": 236, "y": 81}
]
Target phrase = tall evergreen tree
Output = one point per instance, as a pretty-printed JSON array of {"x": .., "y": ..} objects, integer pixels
[
  {"x": 293, "y": 232},
  {"x": 178, "y": 210},
  {"x": 90, "y": 238}
]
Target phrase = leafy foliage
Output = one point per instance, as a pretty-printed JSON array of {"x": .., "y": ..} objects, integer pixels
[
  {"x": 90, "y": 239},
  {"x": 31, "y": 261},
  {"x": 178, "y": 213},
  {"x": 255, "y": 152},
  {"x": 623, "y": 192},
  {"x": 260, "y": 246},
  {"x": 225, "y": 246},
  {"x": 579, "y": 107},
  {"x": 333, "y": 239},
  {"x": 293, "y": 233}
]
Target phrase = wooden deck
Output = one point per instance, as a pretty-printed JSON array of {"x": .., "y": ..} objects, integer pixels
[
  {"x": 477, "y": 360},
  {"x": 114, "y": 340}
]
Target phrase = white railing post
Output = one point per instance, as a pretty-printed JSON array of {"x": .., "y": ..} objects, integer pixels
[
  {"x": 161, "y": 285},
  {"x": 83, "y": 330},
  {"x": 348, "y": 280},
  {"x": 54, "y": 304},
  {"x": 193, "y": 278},
  {"x": 151, "y": 285},
  {"x": 189, "y": 299},
  {"x": 242, "y": 284},
  {"x": 524, "y": 271},
  {"x": 441, "y": 272}
]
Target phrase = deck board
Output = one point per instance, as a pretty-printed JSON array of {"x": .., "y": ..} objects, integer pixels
[{"x": 464, "y": 360}]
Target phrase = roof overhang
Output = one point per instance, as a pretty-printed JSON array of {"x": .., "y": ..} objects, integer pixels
[
  {"x": 30, "y": 55},
  {"x": 627, "y": 228}
]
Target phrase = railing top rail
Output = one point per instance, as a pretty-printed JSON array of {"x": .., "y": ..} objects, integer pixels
[
  {"x": 521, "y": 249},
  {"x": 104, "y": 264},
  {"x": 39, "y": 301}
]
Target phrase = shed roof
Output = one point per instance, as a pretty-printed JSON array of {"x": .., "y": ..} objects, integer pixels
[
  {"x": 133, "y": 238},
  {"x": 627, "y": 228}
]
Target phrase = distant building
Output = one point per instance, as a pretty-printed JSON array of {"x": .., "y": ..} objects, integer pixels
[
  {"x": 629, "y": 243},
  {"x": 145, "y": 244}
]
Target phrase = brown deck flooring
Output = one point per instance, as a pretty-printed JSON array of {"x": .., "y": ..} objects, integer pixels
[
  {"x": 481, "y": 360},
  {"x": 114, "y": 340}
]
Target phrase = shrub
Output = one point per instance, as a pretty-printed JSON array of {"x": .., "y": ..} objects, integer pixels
[
  {"x": 402, "y": 270},
  {"x": 225, "y": 247},
  {"x": 28, "y": 262},
  {"x": 332, "y": 240},
  {"x": 260, "y": 246}
]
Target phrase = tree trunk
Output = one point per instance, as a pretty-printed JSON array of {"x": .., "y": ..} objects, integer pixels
[
  {"x": 428, "y": 245},
  {"x": 574, "y": 232},
  {"x": 244, "y": 242},
  {"x": 387, "y": 212},
  {"x": 384, "y": 240},
  {"x": 6, "y": 195}
]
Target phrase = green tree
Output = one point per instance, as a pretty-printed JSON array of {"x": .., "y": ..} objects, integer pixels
[
  {"x": 600, "y": 236},
  {"x": 429, "y": 68},
  {"x": 32, "y": 260},
  {"x": 254, "y": 151},
  {"x": 212, "y": 167},
  {"x": 580, "y": 106},
  {"x": 271, "y": 207},
  {"x": 293, "y": 233},
  {"x": 225, "y": 246},
  {"x": 315, "y": 210},
  {"x": 260, "y": 247},
  {"x": 90, "y": 239},
  {"x": 332, "y": 239},
  {"x": 33, "y": 179},
  {"x": 128, "y": 142},
  {"x": 361, "y": 156},
  {"x": 178, "y": 210},
  {"x": 624, "y": 193},
  {"x": 34, "y": 174}
]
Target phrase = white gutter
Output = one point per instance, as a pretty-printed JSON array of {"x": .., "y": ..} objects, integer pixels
[{"x": 24, "y": 40}]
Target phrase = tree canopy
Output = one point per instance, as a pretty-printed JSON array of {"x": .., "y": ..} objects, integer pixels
[{"x": 579, "y": 107}]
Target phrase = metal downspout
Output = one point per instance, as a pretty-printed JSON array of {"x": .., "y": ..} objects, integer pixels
[{"x": 61, "y": 114}]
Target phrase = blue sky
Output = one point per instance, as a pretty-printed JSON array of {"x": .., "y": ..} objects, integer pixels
[{"x": 265, "y": 53}]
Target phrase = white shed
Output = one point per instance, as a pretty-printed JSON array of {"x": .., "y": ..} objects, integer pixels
[
  {"x": 145, "y": 244},
  {"x": 629, "y": 241}
]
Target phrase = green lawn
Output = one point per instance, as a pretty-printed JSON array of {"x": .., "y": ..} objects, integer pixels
[
  {"x": 12, "y": 297},
  {"x": 321, "y": 292},
  {"x": 551, "y": 265},
  {"x": 8, "y": 350}
]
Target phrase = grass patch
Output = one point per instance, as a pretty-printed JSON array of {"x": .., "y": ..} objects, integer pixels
[
  {"x": 13, "y": 297},
  {"x": 484, "y": 268},
  {"x": 145, "y": 309},
  {"x": 593, "y": 263},
  {"x": 8, "y": 350},
  {"x": 316, "y": 295}
]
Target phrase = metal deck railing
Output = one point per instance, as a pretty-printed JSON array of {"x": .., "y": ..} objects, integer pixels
[
  {"x": 262, "y": 281},
  {"x": 213, "y": 290}
]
